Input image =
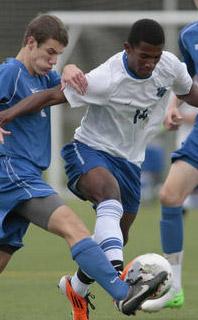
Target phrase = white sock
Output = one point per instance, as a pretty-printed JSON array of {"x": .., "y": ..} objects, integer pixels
[
  {"x": 78, "y": 286},
  {"x": 107, "y": 231},
  {"x": 176, "y": 259},
  {"x": 108, "y": 234}
]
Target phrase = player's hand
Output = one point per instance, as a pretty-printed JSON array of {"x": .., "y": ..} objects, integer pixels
[
  {"x": 75, "y": 78},
  {"x": 2, "y": 134},
  {"x": 173, "y": 119}
]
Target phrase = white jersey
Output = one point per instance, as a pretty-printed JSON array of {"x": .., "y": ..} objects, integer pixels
[{"x": 124, "y": 113}]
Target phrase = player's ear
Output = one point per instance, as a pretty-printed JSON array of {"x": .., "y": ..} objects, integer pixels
[
  {"x": 31, "y": 42},
  {"x": 127, "y": 47}
]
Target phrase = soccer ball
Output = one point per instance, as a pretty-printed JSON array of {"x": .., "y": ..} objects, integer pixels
[{"x": 147, "y": 266}]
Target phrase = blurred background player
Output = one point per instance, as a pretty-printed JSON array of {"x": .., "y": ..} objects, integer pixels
[
  {"x": 152, "y": 170},
  {"x": 182, "y": 179},
  {"x": 24, "y": 196},
  {"x": 106, "y": 170},
  {"x": 188, "y": 114}
]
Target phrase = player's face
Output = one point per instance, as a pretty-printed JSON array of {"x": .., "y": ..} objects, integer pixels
[
  {"x": 42, "y": 58},
  {"x": 143, "y": 58}
]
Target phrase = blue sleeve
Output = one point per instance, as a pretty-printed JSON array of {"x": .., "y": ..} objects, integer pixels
[
  {"x": 54, "y": 79},
  {"x": 8, "y": 79},
  {"x": 189, "y": 47}
]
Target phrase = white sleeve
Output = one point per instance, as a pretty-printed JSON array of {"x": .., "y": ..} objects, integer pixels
[
  {"x": 98, "y": 88},
  {"x": 183, "y": 81}
]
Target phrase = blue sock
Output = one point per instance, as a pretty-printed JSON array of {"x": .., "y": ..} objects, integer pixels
[
  {"x": 171, "y": 227},
  {"x": 92, "y": 260}
]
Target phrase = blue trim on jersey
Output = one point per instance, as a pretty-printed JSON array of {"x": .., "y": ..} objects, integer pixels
[
  {"x": 125, "y": 61},
  {"x": 31, "y": 134},
  {"x": 129, "y": 71},
  {"x": 80, "y": 158}
]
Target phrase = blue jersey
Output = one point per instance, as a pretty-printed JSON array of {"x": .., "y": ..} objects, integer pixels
[
  {"x": 31, "y": 134},
  {"x": 188, "y": 43}
]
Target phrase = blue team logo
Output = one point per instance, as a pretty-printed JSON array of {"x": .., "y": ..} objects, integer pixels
[{"x": 161, "y": 91}]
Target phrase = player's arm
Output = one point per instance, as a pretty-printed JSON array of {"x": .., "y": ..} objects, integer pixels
[
  {"x": 33, "y": 103},
  {"x": 192, "y": 97},
  {"x": 173, "y": 117}
]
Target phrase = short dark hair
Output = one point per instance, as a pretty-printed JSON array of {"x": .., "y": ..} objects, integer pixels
[
  {"x": 45, "y": 27},
  {"x": 146, "y": 30}
]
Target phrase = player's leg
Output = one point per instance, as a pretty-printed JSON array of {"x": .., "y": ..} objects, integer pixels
[
  {"x": 100, "y": 187},
  {"x": 93, "y": 176},
  {"x": 90, "y": 179},
  {"x": 50, "y": 214},
  {"x": 80, "y": 282},
  {"x": 125, "y": 224},
  {"x": 6, "y": 252},
  {"x": 180, "y": 182},
  {"x": 125, "y": 179}
]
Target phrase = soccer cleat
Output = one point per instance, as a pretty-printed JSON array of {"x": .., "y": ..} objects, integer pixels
[
  {"x": 171, "y": 299},
  {"x": 139, "y": 291},
  {"x": 80, "y": 310}
]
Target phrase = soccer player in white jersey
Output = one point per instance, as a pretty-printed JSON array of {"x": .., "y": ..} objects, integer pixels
[{"x": 126, "y": 98}]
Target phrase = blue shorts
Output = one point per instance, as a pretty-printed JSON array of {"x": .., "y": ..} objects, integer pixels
[
  {"x": 189, "y": 149},
  {"x": 80, "y": 158},
  {"x": 19, "y": 180}
]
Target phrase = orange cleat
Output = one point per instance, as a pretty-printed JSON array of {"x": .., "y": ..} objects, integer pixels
[{"x": 80, "y": 310}]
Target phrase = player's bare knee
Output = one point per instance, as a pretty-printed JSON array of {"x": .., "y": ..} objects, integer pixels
[
  {"x": 106, "y": 190},
  {"x": 170, "y": 198},
  {"x": 106, "y": 194},
  {"x": 99, "y": 185}
]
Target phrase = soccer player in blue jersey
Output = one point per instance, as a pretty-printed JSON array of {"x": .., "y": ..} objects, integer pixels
[
  {"x": 180, "y": 182},
  {"x": 24, "y": 196}
]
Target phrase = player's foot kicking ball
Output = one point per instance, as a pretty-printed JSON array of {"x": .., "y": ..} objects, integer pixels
[{"x": 139, "y": 291}]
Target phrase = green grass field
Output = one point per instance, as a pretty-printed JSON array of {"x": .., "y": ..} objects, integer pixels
[{"x": 28, "y": 287}]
